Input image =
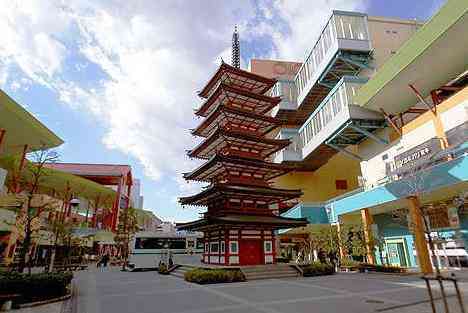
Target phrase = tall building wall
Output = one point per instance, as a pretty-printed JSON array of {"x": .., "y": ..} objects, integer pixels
[
  {"x": 322, "y": 184},
  {"x": 387, "y": 36}
]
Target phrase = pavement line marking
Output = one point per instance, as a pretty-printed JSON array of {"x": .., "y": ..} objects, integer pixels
[
  {"x": 254, "y": 305},
  {"x": 352, "y": 294},
  {"x": 404, "y": 305},
  {"x": 148, "y": 293},
  {"x": 339, "y": 291},
  {"x": 217, "y": 308},
  {"x": 294, "y": 283}
]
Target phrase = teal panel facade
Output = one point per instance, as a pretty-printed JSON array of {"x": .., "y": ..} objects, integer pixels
[
  {"x": 315, "y": 213},
  {"x": 441, "y": 175}
]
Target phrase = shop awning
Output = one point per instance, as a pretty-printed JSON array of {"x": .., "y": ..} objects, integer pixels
[
  {"x": 58, "y": 182},
  {"x": 21, "y": 128}
]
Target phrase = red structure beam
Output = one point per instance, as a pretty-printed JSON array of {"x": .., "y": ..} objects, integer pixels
[{"x": 2, "y": 137}]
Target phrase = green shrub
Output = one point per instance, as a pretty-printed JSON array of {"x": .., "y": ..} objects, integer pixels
[
  {"x": 35, "y": 287},
  {"x": 213, "y": 276},
  {"x": 349, "y": 263},
  {"x": 381, "y": 268},
  {"x": 318, "y": 269}
]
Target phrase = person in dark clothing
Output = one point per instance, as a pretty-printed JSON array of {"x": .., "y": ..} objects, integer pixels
[{"x": 105, "y": 260}]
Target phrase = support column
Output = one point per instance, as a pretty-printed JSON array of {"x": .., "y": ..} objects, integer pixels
[
  {"x": 338, "y": 231},
  {"x": 17, "y": 176},
  {"x": 439, "y": 130},
  {"x": 116, "y": 208},
  {"x": 2, "y": 137},
  {"x": 367, "y": 222},
  {"x": 419, "y": 236}
]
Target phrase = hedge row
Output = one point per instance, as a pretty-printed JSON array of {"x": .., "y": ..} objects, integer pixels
[
  {"x": 212, "y": 276},
  {"x": 380, "y": 268},
  {"x": 35, "y": 287},
  {"x": 317, "y": 269}
]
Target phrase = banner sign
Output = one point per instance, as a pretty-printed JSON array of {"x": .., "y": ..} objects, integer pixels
[{"x": 416, "y": 156}]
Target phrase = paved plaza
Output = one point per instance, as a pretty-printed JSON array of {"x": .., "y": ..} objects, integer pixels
[{"x": 147, "y": 292}]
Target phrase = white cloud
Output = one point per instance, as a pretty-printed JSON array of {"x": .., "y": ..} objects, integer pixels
[{"x": 155, "y": 56}]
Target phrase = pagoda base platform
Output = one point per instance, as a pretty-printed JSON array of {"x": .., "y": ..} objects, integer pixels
[{"x": 239, "y": 246}]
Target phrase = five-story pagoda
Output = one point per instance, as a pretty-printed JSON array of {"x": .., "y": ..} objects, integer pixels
[{"x": 239, "y": 225}]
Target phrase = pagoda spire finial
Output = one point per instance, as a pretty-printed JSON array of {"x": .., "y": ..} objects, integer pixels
[{"x": 235, "y": 57}]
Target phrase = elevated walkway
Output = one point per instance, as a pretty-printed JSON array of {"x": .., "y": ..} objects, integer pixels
[
  {"x": 343, "y": 48},
  {"x": 335, "y": 124}
]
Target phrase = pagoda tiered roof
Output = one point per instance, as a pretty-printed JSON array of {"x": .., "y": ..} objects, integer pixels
[
  {"x": 225, "y": 116},
  {"x": 218, "y": 191},
  {"x": 220, "y": 167},
  {"x": 237, "y": 98},
  {"x": 274, "y": 222},
  {"x": 236, "y": 77},
  {"x": 234, "y": 142}
]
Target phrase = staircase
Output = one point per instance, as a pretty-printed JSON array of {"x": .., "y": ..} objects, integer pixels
[
  {"x": 269, "y": 271},
  {"x": 180, "y": 270}
]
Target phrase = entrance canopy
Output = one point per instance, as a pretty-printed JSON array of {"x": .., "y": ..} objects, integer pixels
[{"x": 19, "y": 128}]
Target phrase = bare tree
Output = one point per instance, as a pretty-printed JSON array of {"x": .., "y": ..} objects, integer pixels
[{"x": 36, "y": 173}]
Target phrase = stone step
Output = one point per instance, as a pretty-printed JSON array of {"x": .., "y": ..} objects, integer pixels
[
  {"x": 269, "y": 272},
  {"x": 180, "y": 271},
  {"x": 270, "y": 276}
]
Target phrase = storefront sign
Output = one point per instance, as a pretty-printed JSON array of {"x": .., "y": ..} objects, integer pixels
[{"x": 417, "y": 156}]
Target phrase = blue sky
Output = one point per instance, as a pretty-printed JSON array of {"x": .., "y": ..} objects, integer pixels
[{"x": 117, "y": 81}]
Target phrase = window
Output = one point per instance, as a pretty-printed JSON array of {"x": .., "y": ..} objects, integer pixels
[
  {"x": 222, "y": 247},
  {"x": 206, "y": 247},
  {"x": 233, "y": 247},
  {"x": 341, "y": 184},
  {"x": 214, "y": 247},
  {"x": 200, "y": 244},
  {"x": 175, "y": 243},
  {"x": 151, "y": 243},
  {"x": 268, "y": 247}
]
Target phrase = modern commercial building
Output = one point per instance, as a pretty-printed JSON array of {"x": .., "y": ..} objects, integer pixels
[
  {"x": 377, "y": 104},
  {"x": 136, "y": 197},
  {"x": 115, "y": 176}
]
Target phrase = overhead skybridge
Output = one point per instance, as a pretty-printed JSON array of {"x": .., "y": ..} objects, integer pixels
[
  {"x": 335, "y": 124},
  {"x": 342, "y": 49}
]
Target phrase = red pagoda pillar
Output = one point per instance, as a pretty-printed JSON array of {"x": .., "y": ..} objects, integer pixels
[{"x": 239, "y": 224}]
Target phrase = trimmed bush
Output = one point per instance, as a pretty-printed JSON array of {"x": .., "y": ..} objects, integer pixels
[
  {"x": 35, "y": 287},
  {"x": 317, "y": 269},
  {"x": 349, "y": 263},
  {"x": 381, "y": 268},
  {"x": 213, "y": 276}
]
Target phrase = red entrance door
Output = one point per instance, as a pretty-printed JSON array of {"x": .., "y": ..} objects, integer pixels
[{"x": 251, "y": 252}]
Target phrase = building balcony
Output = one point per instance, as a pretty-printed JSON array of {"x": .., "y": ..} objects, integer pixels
[
  {"x": 338, "y": 122},
  {"x": 343, "y": 48},
  {"x": 291, "y": 153}
]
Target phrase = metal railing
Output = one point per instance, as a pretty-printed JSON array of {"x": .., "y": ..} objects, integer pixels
[{"x": 337, "y": 100}]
